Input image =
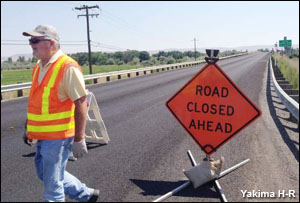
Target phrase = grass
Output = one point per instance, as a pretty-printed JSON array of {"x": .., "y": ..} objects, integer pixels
[
  {"x": 15, "y": 76},
  {"x": 290, "y": 73},
  {"x": 20, "y": 76}
]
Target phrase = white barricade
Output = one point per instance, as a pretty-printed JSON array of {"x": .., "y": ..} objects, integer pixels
[{"x": 95, "y": 123}]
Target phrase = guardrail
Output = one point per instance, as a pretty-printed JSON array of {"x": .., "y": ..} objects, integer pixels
[
  {"x": 27, "y": 85},
  {"x": 289, "y": 102}
]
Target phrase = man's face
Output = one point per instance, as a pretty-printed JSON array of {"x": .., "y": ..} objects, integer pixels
[{"x": 40, "y": 46}]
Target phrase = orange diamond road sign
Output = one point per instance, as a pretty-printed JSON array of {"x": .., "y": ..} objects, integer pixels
[{"x": 212, "y": 108}]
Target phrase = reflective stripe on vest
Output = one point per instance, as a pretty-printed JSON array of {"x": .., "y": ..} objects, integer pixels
[
  {"x": 49, "y": 125},
  {"x": 45, "y": 103},
  {"x": 51, "y": 128}
]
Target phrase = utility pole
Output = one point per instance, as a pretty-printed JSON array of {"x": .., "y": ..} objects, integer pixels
[
  {"x": 88, "y": 29},
  {"x": 195, "y": 47}
]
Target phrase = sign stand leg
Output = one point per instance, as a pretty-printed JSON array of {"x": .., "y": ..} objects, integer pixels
[
  {"x": 169, "y": 194},
  {"x": 181, "y": 187},
  {"x": 220, "y": 190},
  {"x": 191, "y": 158},
  {"x": 217, "y": 184}
]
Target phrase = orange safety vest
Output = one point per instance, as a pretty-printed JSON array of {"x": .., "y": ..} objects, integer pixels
[{"x": 48, "y": 118}]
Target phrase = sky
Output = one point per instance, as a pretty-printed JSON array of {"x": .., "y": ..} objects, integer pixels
[{"x": 148, "y": 26}]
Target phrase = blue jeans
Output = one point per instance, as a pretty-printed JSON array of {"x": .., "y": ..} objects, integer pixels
[{"x": 50, "y": 162}]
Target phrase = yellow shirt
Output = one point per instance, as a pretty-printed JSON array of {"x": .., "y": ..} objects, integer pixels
[{"x": 72, "y": 85}]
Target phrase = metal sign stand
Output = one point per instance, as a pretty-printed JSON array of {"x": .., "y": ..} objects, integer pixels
[{"x": 217, "y": 184}]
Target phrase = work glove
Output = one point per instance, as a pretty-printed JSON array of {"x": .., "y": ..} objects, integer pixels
[
  {"x": 28, "y": 141},
  {"x": 206, "y": 171},
  {"x": 79, "y": 148}
]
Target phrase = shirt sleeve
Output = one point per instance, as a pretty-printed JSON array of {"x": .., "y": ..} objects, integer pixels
[{"x": 72, "y": 85}]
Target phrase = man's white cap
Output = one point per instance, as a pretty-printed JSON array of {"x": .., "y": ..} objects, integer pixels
[{"x": 46, "y": 31}]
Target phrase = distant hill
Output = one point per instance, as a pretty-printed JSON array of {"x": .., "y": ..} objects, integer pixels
[
  {"x": 201, "y": 49},
  {"x": 241, "y": 48},
  {"x": 16, "y": 56}
]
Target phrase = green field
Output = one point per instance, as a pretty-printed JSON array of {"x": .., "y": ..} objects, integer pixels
[
  {"x": 20, "y": 76},
  {"x": 291, "y": 74}
]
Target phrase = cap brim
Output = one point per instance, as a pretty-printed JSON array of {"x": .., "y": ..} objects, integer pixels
[{"x": 32, "y": 34}]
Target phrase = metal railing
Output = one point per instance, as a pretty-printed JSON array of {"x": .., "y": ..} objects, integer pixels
[{"x": 289, "y": 102}]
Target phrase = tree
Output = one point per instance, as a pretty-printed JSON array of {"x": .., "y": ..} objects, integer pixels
[
  {"x": 159, "y": 54},
  {"x": 34, "y": 59},
  {"x": 21, "y": 59},
  {"x": 102, "y": 59},
  {"x": 177, "y": 55},
  {"x": 198, "y": 54},
  {"x": 135, "y": 61},
  {"x": 110, "y": 61},
  {"x": 152, "y": 61},
  {"x": 163, "y": 59},
  {"x": 118, "y": 55},
  {"x": 127, "y": 57},
  {"x": 120, "y": 63},
  {"x": 171, "y": 60},
  {"x": 81, "y": 58},
  {"x": 144, "y": 55},
  {"x": 9, "y": 60},
  {"x": 190, "y": 54}
]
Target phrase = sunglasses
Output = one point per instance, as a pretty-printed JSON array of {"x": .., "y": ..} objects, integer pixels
[{"x": 36, "y": 40}]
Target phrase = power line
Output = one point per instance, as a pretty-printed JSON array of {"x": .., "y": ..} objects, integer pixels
[
  {"x": 68, "y": 43},
  {"x": 98, "y": 44},
  {"x": 11, "y": 40},
  {"x": 11, "y": 44},
  {"x": 116, "y": 20},
  {"x": 121, "y": 23},
  {"x": 106, "y": 47}
]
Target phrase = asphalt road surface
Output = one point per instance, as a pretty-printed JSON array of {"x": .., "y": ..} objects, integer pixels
[{"x": 147, "y": 152}]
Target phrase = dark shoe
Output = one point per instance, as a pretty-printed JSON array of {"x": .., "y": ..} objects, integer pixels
[{"x": 95, "y": 196}]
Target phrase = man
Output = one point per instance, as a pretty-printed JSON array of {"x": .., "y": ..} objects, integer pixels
[{"x": 56, "y": 117}]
